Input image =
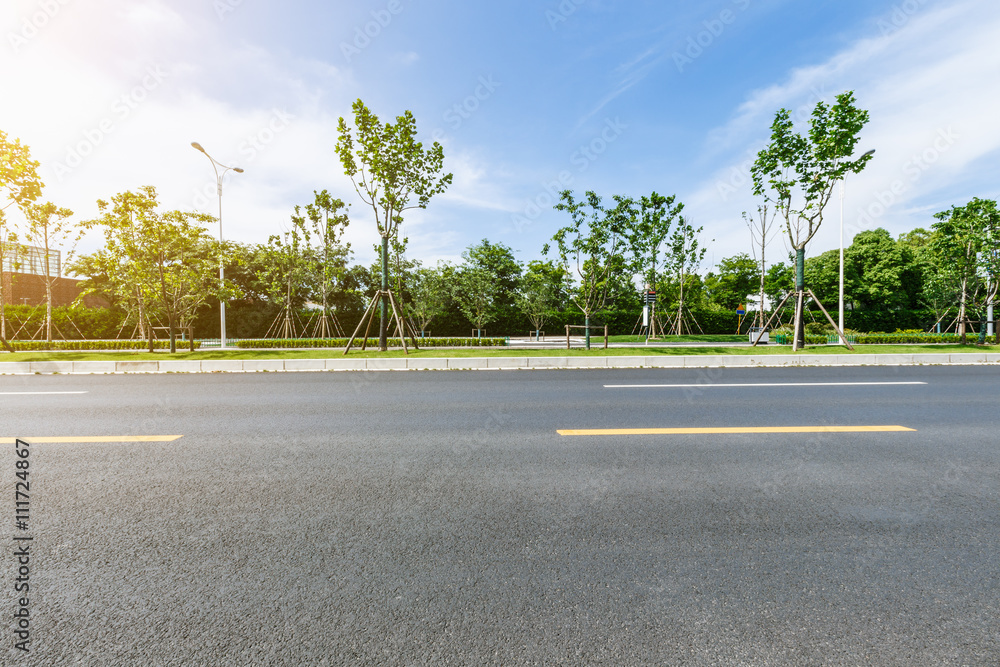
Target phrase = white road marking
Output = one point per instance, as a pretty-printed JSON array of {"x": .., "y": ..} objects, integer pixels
[
  {"x": 761, "y": 384},
  {"x": 38, "y": 393}
]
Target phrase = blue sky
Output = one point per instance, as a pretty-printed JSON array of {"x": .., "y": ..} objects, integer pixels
[{"x": 527, "y": 98}]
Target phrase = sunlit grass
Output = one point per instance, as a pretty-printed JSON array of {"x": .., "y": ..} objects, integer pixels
[{"x": 597, "y": 351}]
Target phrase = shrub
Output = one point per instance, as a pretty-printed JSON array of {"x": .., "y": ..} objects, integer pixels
[
  {"x": 39, "y": 345},
  {"x": 372, "y": 342}
]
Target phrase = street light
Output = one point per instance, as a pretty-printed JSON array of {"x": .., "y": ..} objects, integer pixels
[
  {"x": 222, "y": 275},
  {"x": 843, "y": 187}
]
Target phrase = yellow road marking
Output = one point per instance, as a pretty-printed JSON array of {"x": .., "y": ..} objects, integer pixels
[
  {"x": 97, "y": 438},
  {"x": 733, "y": 429}
]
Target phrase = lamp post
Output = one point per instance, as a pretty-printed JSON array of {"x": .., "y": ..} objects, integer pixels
[
  {"x": 843, "y": 188},
  {"x": 222, "y": 274}
]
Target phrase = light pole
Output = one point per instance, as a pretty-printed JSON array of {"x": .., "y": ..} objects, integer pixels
[
  {"x": 222, "y": 274},
  {"x": 843, "y": 187}
]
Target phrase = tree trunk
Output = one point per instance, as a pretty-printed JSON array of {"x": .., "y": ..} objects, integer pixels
[
  {"x": 961, "y": 311},
  {"x": 586, "y": 323},
  {"x": 48, "y": 295},
  {"x": 680, "y": 306},
  {"x": 383, "y": 342},
  {"x": 800, "y": 286}
]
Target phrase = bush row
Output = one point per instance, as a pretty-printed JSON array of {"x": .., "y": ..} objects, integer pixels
[
  {"x": 252, "y": 320},
  {"x": 372, "y": 342},
  {"x": 902, "y": 338},
  {"x": 36, "y": 345},
  {"x": 785, "y": 338}
]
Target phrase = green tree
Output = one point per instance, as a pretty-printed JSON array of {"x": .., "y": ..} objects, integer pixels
[
  {"x": 499, "y": 262},
  {"x": 475, "y": 291},
  {"x": 652, "y": 218},
  {"x": 779, "y": 282},
  {"x": 48, "y": 225},
  {"x": 685, "y": 255},
  {"x": 21, "y": 186},
  {"x": 965, "y": 241},
  {"x": 881, "y": 273},
  {"x": 327, "y": 260},
  {"x": 590, "y": 248},
  {"x": 285, "y": 264},
  {"x": 797, "y": 174},
  {"x": 159, "y": 264},
  {"x": 430, "y": 292},
  {"x": 541, "y": 293},
  {"x": 738, "y": 276},
  {"x": 822, "y": 274},
  {"x": 391, "y": 172}
]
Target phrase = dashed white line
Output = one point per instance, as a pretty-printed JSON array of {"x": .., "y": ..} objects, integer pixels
[
  {"x": 38, "y": 393},
  {"x": 761, "y": 384}
]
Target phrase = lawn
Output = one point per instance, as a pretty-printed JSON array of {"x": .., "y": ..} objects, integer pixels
[
  {"x": 490, "y": 352},
  {"x": 703, "y": 338}
]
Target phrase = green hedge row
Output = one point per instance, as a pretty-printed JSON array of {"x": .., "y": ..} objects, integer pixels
[
  {"x": 72, "y": 322},
  {"x": 883, "y": 338},
  {"x": 870, "y": 339},
  {"x": 36, "y": 345},
  {"x": 372, "y": 342}
]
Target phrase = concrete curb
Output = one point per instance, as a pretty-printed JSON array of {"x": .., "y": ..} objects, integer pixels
[{"x": 489, "y": 363}]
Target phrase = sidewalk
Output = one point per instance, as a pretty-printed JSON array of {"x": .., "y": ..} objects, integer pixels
[{"x": 490, "y": 363}]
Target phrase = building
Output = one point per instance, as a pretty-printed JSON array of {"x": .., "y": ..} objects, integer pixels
[{"x": 24, "y": 278}]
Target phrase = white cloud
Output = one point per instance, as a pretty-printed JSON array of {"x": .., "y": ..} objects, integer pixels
[{"x": 928, "y": 88}]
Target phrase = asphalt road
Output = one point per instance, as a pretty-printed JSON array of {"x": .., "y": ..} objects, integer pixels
[{"x": 429, "y": 518}]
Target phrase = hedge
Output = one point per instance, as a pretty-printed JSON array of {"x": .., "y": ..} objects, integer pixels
[
  {"x": 37, "y": 345},
  {"x": 372, "y": 342},
  {"x": 785, "y": 338},
  {"x": 252, "y": 320}
]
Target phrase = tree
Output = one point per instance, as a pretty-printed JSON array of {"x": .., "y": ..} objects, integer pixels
[
  {"x": 21, "y": 186},
  {"x": 430, "y": 292},
  {"x": 779, "y": 282},
  {"x": 881, "y": 271},
  {"x": 653, "y": 217},
  {"x": 183, "y": 256},
  {"x": 475, "y": 292},
  {"x": 822, "y": 274},
  {"x": 590, "y": 248},
  {"x": 285, "y": 266},
  {"x": 684, "y": 257},
  {"x": 797, "y": 174},
  {"x": 159, "y": 264},
  {"x": 19, "y": 181},
  {"x": 760, "y": 233},
  {"x": 391, "y": 172},
  {"x": 48, "y": 225},
  {"x": 737, "y": 277},
  {"x": 966, "y": 241},
  {"x": 499, "y": 262},
  {"x": 328, "y": 219},
  {"x": 541, "y": 292}
]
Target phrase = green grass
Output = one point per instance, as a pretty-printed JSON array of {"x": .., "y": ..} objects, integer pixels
[
  {"x": 705, "y": 338},
  {"x": 488, "y": 352}
]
